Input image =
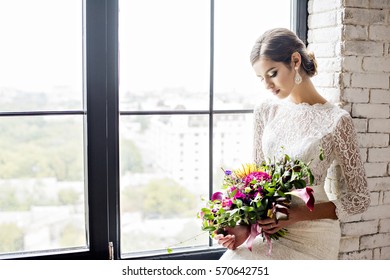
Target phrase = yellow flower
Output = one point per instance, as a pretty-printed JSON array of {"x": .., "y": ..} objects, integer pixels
[
  {"x": 270, "y": 213},
  {"x": 246, "y": 169}
]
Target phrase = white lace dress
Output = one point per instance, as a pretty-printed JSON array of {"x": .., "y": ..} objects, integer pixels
[{"x": 301, "y": 129}]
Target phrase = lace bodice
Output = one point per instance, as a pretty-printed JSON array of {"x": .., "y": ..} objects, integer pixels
[{"x": 302, "y": 129}]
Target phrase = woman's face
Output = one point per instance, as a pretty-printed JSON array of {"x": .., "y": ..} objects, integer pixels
[{"x": 275, "y": 76}]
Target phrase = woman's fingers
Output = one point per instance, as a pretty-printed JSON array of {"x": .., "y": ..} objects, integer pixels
[
  {"x": 226, "y": 241},
  {"x": 272, "y": 230},
  {"x": 269, "y": 225},
  {"x": 266, "y": 222}
]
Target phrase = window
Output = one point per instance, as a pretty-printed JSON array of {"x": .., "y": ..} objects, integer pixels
[
  {"x": 186, "y": 96},
  {"x": 42, "y": 182},
  {"x": 116, "y": 118}
]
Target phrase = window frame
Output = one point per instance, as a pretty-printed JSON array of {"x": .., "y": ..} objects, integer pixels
[{"x": 101, "y": 90}]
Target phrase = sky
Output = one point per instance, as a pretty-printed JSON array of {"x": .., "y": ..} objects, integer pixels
[
  {"x": 40, "y": 49},
  {"x": 162, "y": 43},
  {"x": 173, "y": 45}
]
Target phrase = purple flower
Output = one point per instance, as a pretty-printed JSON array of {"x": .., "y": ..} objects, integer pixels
[
  {"x": 228, "y": 172},
  {"x": 260, "y": 192}
]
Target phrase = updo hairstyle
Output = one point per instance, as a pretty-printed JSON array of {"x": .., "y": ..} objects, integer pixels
[{"x": 278, "y": 45}]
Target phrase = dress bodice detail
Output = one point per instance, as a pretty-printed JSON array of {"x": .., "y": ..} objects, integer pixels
[{"x": 301, "y": 130}]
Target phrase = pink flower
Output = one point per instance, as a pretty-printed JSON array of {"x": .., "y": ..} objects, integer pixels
[
  {"x": 227, "y": 203},
  {"x": 258, "y": 176},
  {"x": 306, "y": 194},
  {"x": 217, "y": 196},
  {"x": 239, "y": 195}
]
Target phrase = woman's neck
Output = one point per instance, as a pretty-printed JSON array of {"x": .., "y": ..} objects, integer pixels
[{"x": 306, "y": 93}]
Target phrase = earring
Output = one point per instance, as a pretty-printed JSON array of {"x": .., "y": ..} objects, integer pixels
[{"x": 297, "y": 78}]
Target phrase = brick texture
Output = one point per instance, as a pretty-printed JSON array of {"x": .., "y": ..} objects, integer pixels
[{"x": 351, "y": 40}]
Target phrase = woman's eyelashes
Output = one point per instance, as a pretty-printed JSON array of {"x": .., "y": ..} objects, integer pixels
[{"x": 272, "y": 74}]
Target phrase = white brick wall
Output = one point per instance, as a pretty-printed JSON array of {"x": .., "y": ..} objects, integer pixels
[
  {"x": 379, "y": 125},
  {"x": 351, "y": 40}
]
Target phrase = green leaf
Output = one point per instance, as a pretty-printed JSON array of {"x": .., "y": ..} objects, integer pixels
[
  {"x": 311, "y": 177},
  {"x": 299, "y": 184},
  {"x": 280, "y": 193},
  {"x": 247, "y": 208},
  {"x": 169, "y": 250},
  {"x": 232, "y": 223},
  {"x": 209, "y": 228},
  {"x": 209, "y": 217},
  {"x": 321, "y": 153}
]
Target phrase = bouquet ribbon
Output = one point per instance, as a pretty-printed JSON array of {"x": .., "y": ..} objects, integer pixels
[{"x": 255, "y": 231}]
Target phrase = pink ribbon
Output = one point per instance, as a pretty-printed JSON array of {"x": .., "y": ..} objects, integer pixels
[
  {"x": 269, "y": 241},
  {"x": 255, "y": 231}
]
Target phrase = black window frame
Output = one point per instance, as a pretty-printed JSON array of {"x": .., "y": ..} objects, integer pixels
[{"x": 102, "y": 133}]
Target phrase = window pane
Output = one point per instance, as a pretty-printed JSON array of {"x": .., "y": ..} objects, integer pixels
[
  {"x": 164, "y": 174},
  {"x": 41, "y": 55},
  {"x": 233, "y": 142},
  {"x": 237, "y": 26},
  {"x": 164, "y": 65},
  {"x": 41, "y": 183},
  {"x": 164, "y": 54}
]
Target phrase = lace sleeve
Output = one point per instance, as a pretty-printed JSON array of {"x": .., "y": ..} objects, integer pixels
[
  {"x": 258, "y": 155},
  {"x": 354, "y": 196}
]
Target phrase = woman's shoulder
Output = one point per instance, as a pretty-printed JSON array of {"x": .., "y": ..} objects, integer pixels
[
  {"x": 339, "y": 112},
  {"x": 340, "y": 118},
  {"x": 266, "y": 105}
]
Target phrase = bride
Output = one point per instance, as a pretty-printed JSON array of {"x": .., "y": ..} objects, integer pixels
[{"x": 301, "y": 120}]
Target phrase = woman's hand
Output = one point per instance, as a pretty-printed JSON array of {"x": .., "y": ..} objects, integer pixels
[
  {"x": 271, "y": 226},
  {"x": 235, "y": 237},
  {"x": 295, "y": 214}
]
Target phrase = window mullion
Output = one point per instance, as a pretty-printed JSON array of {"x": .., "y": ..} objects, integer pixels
[
  {"x": 96, "y": 87},
  {"x": 299, "y": 15},
  {"x": 113, "y": 127},
  {"x": 211, "y": 105}
]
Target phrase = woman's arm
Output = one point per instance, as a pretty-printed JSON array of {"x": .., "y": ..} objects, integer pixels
[
  {"x": 353, "y": 194},
  {"x": 299, "y": 213}
]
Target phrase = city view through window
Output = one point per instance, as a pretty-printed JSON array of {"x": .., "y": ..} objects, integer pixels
[
  {"x": 42, "y": 165},
  {"x": 165, "y": 67}
]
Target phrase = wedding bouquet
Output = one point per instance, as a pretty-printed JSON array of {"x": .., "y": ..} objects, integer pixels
[{"x": 256, "y": 192}]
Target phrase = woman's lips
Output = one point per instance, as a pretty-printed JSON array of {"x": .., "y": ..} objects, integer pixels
[{"x": 276, "y": 92}]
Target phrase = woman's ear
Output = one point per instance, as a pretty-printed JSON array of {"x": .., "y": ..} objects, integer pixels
[{"x": 296, "y": 60}]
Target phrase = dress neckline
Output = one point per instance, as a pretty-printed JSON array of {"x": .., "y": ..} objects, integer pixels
[{"x": 327, "y": 104}]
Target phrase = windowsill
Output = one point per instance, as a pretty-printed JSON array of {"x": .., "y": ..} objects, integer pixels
[
  {"x": 80, "y": 253},
  {"x": 197, "y": 253},
  {"x": 46, "y": 253}
]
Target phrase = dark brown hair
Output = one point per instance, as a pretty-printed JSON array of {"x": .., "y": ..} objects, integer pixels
[{"x": 279, "y": 44}]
